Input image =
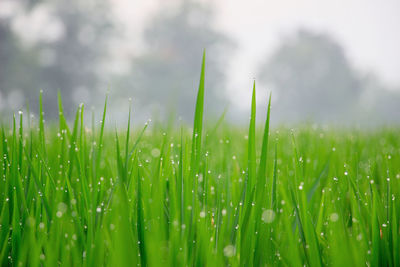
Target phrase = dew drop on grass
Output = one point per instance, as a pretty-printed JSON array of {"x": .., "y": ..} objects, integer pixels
[
  {"x": 334, "y": 217},
  {"x": 155, "y": 152},
  {"x": 202, "y": 214},
  {"x": 62, "y": 207},
  {"x": 229, "y": 251},
  {"x": 268, "y": 216},
  {"x": 223, "y": 212},
  {"x": 301, "y": 186}
]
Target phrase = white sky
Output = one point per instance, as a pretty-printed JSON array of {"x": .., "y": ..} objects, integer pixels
[{"x": 369, "y": 30}]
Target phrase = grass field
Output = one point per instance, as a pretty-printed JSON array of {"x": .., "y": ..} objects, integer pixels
[{"x": 211, "y": 195}]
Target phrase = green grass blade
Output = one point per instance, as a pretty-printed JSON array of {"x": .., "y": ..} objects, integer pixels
[{"x": 251, "y": 149}]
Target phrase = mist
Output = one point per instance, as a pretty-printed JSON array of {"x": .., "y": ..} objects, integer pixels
[{"x": 150, "y": 55}]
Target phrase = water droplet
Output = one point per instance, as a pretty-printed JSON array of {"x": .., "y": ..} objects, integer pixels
[
  {"x": 229, "y": 251},
  {"x": 223, "y": 212},
  {"x": 268, "y": 216},
  {"x": 334, "y": 217},
  {"x": 62, "y": 207}
]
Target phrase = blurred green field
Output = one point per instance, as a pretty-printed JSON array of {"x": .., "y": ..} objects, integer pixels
[{"x": 83, "y": 194}]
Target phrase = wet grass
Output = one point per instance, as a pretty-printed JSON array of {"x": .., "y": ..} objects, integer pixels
[{"x": 85, "y": 194}]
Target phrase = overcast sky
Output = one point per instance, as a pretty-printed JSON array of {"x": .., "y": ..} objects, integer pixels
[{"x": 369, "y": 30}]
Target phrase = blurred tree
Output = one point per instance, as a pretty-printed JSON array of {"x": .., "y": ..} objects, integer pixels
[
  {"x": 167, "y": 75},
  {"x": 71, "y": 63},
  {"x": 65, "y": 55},
  {"x": 17, "y": 70},
  {"x": 378, "y": 104},
  {"x": 312, "y": 78}
]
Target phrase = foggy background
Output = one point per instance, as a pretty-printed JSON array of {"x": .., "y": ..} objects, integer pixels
[{"x": 332, "y": 61}]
